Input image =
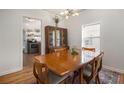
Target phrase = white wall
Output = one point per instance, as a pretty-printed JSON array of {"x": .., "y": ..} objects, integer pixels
[
  {"x": 11, "y": 40},
  {"x": 112, "y": 34}
]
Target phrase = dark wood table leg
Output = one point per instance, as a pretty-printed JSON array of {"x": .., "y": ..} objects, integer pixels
[{"x": 81, "y": 75}]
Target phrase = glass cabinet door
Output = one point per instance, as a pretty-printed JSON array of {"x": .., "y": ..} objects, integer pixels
[
  {"x": 58, "y": 38},
  {"x": 63, "y": 38},
  {"x": 52, "y": 39}
]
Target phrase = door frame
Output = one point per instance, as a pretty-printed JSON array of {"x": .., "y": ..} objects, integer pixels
[{"x": 41, "y": 42}]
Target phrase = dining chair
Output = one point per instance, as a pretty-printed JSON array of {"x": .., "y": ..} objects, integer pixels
[
  {"x": 91, "y": 72},
  {"x": 88, "y": 69},
  {"x": 98, "y": 67},
  {"x": 45, "y": 76},
  {"x": 88, "y": 49},
  {"x": 60, "y": 49}
]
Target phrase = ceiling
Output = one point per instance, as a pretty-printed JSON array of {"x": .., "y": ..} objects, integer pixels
[
  {"x": 57, "y": 11},
  {"x": 54, "y": 11}
]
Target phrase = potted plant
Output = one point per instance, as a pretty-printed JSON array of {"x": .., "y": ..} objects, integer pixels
[{"x": 74, "y": 52}]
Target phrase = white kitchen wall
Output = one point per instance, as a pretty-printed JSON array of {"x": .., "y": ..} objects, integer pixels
[
  {"x": 11, "y": 40},
  {"x": 112, "y": 34}
]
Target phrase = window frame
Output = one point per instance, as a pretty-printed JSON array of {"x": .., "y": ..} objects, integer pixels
[{"x": 83, "y": 26}]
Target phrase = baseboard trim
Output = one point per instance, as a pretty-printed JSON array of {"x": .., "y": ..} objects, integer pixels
[
  {"x": 10, "y": 71},
  {"x": 113, "y": 69}
]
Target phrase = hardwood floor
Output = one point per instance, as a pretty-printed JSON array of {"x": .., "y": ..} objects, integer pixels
[
  {"x": 24, "y": 76},
  {"x": 21, "y": 77}
]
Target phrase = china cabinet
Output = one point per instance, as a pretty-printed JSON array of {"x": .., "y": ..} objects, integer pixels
[{"x": 55, "y": 37}]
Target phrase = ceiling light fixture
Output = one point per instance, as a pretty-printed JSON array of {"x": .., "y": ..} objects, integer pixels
[
  {"x": 69, "y": 12},
  {"x": 56, "y": 19}
]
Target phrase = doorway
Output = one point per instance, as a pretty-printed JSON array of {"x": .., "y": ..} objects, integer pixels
[{"x": 31, "y": 39}]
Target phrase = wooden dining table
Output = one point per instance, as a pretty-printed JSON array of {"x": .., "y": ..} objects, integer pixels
[{"x": 65, "y": 63}]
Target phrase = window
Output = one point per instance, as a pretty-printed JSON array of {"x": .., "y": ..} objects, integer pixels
[{"x": 91, "y": 36}]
